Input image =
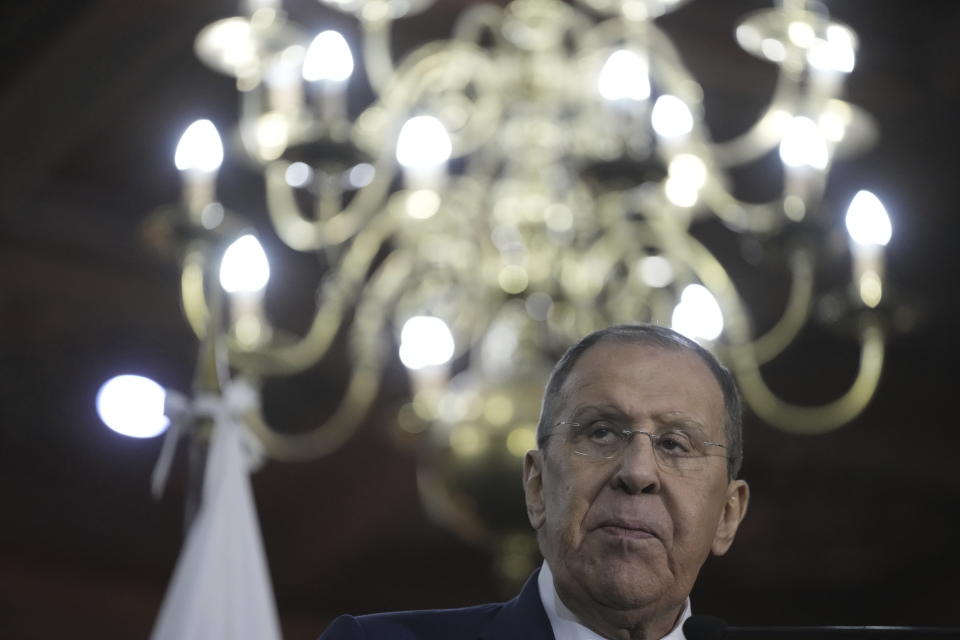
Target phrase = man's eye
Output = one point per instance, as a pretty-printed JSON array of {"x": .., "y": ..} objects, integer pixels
[
  {"x": 602, "y": 432},
  {"x": 676, "y": 443}
]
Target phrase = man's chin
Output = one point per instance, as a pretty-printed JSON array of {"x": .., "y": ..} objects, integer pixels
[
  {"x": 621, "y": 587},
  {"x": 621, "y": 594}
]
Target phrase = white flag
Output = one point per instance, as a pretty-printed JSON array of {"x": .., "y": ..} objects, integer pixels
[{"x": 221, "y": 586}]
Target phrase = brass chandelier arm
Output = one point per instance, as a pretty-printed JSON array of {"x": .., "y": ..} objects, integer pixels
[
  {"x": 766, "y": 132},
  {"x": 478, "y": 20},
  {"x": 740, "y": 216},
  {"x": 367, "y": 353},
  {"x": 376, "y": 51},
  {"x": 337, "y": 295},
  {"x": 192, "y": 289},
  {"x": 669, "y": 71},
  {"x": 429, "y": 75},
  {"x": 772, "y": 343},
  {"x": 301, "y": 234},
  {"x": 329, "y": 436},
  {"x": 742, "y": 357},
  {"x": 820, "y": 419}
]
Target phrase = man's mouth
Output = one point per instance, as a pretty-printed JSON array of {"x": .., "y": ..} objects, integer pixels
[{"x": 628, "y": 530}]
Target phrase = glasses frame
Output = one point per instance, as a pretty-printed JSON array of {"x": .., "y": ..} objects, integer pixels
[{"x": 630, "y": 433}]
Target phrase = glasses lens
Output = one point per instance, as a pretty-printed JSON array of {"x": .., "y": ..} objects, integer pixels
[
  {"x": 675, "y": 451},
  {"x": 600, "y": 439}
]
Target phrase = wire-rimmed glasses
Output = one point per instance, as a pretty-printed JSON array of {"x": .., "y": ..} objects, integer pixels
[{"x": 677, "y": 449}]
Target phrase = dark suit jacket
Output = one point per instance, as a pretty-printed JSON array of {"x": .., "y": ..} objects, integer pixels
[{"x": 522, "y": 618}]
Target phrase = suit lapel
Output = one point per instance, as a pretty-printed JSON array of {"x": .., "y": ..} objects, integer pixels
[{"x": 522, "y": 618}]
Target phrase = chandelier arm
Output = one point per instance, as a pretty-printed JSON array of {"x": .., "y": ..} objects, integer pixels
[
  {"x": 337, "y": 294},
  {"x": 670, "y": 69},
  {"x": 192, "y": 288},
  {"x": 605, "y": 33},
  {"x": 367, "y": 353},
  {"x": 293, "y": 358},
  {"x": 476, "y": 19},
  {"x": 438, "y": 66},
  {"x": 765, "y": 134},
  {"x": 740, "y": 216},
  {"x": 328, "y": 436},
  {"x": 797, "y": 310},
  {"x": 376, "y": 51},
  {"x": 820, "y": 419},
  {"x": 741, "y": 355},
  {"x": 596, "y": 261},
  {"x": 302, "y": 234},
  {"x": 329, "y": 199}
]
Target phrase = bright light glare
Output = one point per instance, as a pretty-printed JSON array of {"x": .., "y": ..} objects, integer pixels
[
  {"x": 425, "y": 341},
  {"x": 244, "y": 266},
  {"x": 624, "y": 75},
  {"x": 671, "y": 117},
  {"x": 836, "y": 53},
  {"x": 423, "y": 143},
  {"x": 773, "y": 50},
  {"x": 871, "y": 289},
  {"x": 199, "y": 148},
  {"x": 801, "y": 33},
  {"x": 698, "y": 315},
  {"x": 272, "y": 134},
  {"x": 298, "y": 174},
  {"x": 133, "y": 406},
  {"x": 867, "y": 220},
  {"x": 686, "y": 176},
  {"x": 656, "y": 271},
  {"x": 232, "y": 40},
  {"x": 361, "y": 175},
  {"x": 803, "y": 144},
  {"x": 834, "y": 120},
  {"x": 328, "y": 58}
]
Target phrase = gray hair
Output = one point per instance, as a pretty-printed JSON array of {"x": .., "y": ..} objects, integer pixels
[{"x": 664, "y": 338}]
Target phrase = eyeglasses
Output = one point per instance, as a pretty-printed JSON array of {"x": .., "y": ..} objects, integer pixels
[{"x": 677, "y": 450}]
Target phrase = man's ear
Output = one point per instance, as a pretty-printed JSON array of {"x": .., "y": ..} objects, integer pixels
[
  {"x": 738, "y": 496},
  {"x": 533, "y": 487}
]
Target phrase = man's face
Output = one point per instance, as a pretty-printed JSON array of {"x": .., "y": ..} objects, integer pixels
[{"x": 623, "y": 535}]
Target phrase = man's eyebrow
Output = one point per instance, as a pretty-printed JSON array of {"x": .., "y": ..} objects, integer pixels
[
  {"x": 598, "y": 411},
  {"x": 682, "y": 421},
  {"x": 669, "y": 420}
]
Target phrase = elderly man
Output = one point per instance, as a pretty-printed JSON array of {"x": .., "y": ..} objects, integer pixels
[{"x": 634, "y": 483}]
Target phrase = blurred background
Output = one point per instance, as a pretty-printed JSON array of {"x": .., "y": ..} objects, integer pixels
[{"x": 855, "y": 526}]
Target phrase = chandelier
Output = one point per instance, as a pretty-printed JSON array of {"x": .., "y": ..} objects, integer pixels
[{"x": 544, "y": 172}]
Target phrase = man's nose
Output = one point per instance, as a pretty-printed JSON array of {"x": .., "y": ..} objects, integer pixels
[{"x": 638, "y": 470}]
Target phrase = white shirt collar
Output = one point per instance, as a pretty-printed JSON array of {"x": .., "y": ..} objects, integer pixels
[{"x": 566, "y": 625}]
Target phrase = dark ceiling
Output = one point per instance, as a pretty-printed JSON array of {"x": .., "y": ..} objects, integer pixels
[{"x": 855, "y": 526}]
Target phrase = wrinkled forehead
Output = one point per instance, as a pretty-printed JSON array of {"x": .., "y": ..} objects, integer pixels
[{"x": 639, "y": 378}]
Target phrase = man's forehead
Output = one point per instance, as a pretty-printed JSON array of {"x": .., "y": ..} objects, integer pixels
[{"x": 640, "y": 361}]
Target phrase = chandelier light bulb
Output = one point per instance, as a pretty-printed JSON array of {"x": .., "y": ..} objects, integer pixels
[
  {"x": 801, "y": 33},
  {"x": 687, "y": 174},
  {"x": 773, "y": 50},
  {"x": 835, "y": 53},
  {"x": 328, "y": 58},
  {"x": 244, "y": 267},
  {"x": 425, "y": 341},
  {"x": 671, "y": 117},
  {"x": 867, "y": 220},
  {"x": 133, "y": 406},
  {"x": 298, "y": 174},
  {"x": 199, "y": 148},
  {"x": 656, "y": 271},
  {"x": 423, "y": 143},
  {"x": 624, "y": 75},
  {"x": 803, "y": 144},
  {"x": 698, "y": 316}
]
